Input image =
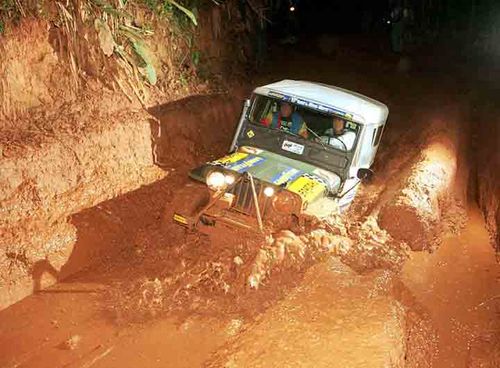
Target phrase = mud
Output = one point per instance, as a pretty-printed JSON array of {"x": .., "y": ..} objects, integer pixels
[
  {"x": 413, "y": 215},
  {"x": 57, "y": 176},
  {"x": 464, "y": 309},
  {"x": 61, "y": 175},
  {"x": 321, "y": 328},
  {"x": 159, "y": 300}
]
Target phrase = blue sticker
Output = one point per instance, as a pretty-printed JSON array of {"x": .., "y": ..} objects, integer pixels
[
  {"x": 289, "y": 174},
  {"x": 246, "y": 164}
]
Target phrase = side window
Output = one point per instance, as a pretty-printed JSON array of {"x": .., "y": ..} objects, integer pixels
[
  {"x": 260, "y": 108},
  {"x": 377, "y": 135}
]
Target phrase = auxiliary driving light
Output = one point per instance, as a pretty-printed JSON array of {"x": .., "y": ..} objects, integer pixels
[
  {"x": 216, "y": 180},
  {"x": 229, "y": 179},
  {"x": 268, "y": 191}
]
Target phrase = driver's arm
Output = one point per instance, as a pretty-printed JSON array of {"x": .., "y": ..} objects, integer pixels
[{"x": 299, "y": 125}]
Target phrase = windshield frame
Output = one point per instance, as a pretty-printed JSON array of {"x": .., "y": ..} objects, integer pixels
[
  {"x": 311, "y": 132},
  {"x": 322, "y": 156}
]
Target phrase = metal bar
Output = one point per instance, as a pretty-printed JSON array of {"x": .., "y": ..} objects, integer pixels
[
  {"x": 214, "y": 199},
  {"x": 256, "y": 202},
  {"x": 243, "y": 116}
]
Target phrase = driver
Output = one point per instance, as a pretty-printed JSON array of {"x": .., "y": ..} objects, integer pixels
[
  {"x": 286, "y": 119},
  {"x": 337, "y": 136}
]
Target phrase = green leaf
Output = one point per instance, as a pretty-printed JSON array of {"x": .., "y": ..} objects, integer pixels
[
  {"x": 150, "y": 73},
  {"x": 186, "y": 11},
  {"x": 195, "y": 57},
  {"x": 147, "y": 67}
]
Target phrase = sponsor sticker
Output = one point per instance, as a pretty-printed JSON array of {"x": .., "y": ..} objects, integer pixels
[
  {"x": 244, "y": 165},
  {"x": 307, "y": 187},
  {"x": 292, "y": 147},
  {"x": 227, "y": 160},
  {"x": 289, "y": 174}
]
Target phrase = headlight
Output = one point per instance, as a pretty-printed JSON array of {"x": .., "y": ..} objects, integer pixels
[
  {"x": 216, "y": 180},
  {"x": 268, "y": 191},
  {"x": 229, "y": 179}
]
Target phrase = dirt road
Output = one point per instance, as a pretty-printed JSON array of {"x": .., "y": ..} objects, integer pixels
[{"x": 164, "y": 302}]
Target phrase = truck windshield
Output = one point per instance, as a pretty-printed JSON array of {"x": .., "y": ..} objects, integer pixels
[{"x": 329, "y": 129}]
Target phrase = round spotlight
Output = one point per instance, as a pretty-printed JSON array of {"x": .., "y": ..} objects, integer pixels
[
  {"x": 229, "y": 179},
  {"x": 268, "y": 191},
  {"x": 292, "y": 8},
  {"x": 216, "y": 180}
]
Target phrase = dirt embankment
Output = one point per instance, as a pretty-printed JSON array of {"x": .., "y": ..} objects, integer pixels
[
  {"x": 486, "y": 145},
  {"x": 415, "y": 212},
  {"x": 51, "y": 180},
  {"x": 141, "y": 54},
  {"x": 74, "y": 132}
]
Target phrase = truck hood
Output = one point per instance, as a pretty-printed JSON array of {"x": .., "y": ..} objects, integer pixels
[{"x": 273, "y": 168}]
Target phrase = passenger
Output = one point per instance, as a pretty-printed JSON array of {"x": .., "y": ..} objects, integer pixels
[
  {"x": 337, "y": 136},
  {"x": 286, "y": 119}
]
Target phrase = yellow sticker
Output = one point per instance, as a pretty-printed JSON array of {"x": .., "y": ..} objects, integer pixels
[
  {"x": 235, "y": 157},
  {"x": 180, "y": 219},
  {"x": 250, "y": 134},
  {"x": 308, "y": 188}
]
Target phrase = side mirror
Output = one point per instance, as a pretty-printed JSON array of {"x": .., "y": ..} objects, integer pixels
[{"x": 364, "y": 174}]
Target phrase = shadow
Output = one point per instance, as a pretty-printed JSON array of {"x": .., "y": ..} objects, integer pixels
[
  {"x": 110, "y": 237},
  {"x": 38, "y": 270},
  {"x": 185, "y": 131},
  {"x": 118, "y": 229}
]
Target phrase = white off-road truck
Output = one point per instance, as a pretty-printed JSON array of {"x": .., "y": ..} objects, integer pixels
[{"x": 274, "y": 172}]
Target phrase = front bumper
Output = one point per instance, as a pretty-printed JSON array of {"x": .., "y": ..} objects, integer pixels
[{"x": 237, "y": 206}]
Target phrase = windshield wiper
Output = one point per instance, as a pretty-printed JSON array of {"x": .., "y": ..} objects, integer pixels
[{"x": 317, "y": 136}]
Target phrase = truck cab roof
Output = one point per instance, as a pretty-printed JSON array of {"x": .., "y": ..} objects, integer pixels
[{"x": 329, "y": 99}]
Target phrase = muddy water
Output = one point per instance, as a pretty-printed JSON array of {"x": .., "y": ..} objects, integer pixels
[
  {"x": 458, "y": 285},
  {"x": 335, "y": 318}
]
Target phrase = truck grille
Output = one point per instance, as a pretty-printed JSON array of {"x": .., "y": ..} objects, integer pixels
[{"x": 244, "y": 201}]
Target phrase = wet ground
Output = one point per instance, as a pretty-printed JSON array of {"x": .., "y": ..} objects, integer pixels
[
  {"x": 459, "y": 285},
  {"x": 331, "y": 310},
  {"x": 320, "y": 314}
]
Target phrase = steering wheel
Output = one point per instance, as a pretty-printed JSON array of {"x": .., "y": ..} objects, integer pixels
[{"x": 343, "y": 144}]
